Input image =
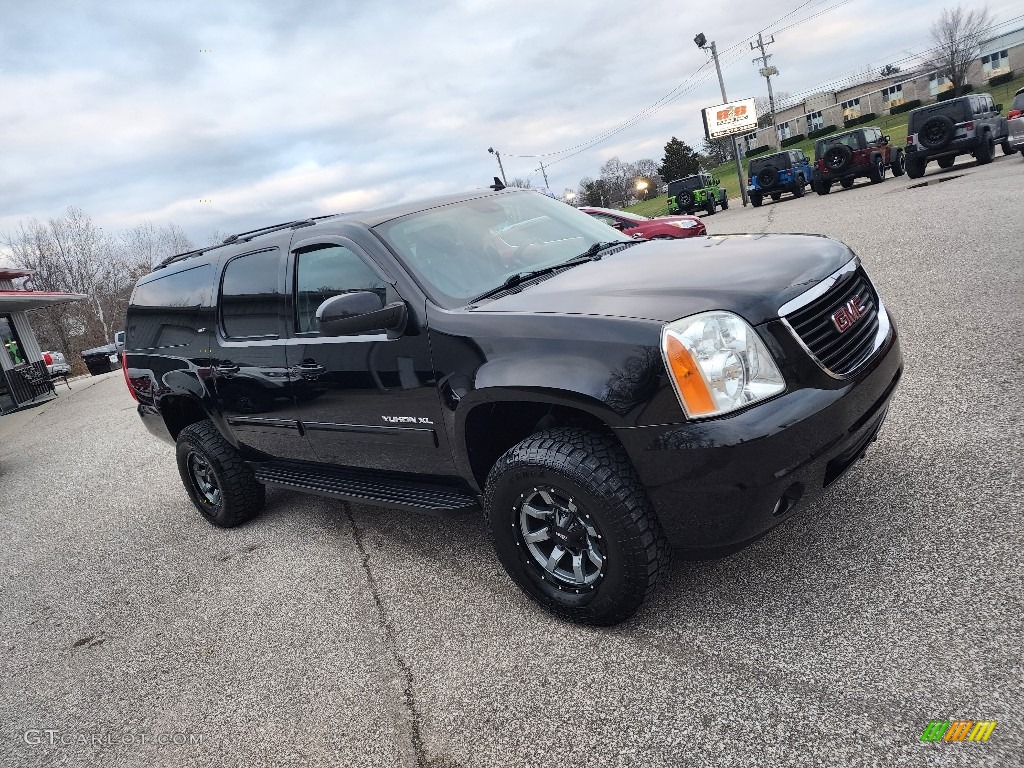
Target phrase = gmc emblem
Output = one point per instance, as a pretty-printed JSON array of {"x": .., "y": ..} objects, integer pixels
[{"x": 847, "y": 315}]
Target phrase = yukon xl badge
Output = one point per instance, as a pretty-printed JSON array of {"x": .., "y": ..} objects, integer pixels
[
  {"x": 407, "y": 420},
  {"x": 847, "y": 315}
]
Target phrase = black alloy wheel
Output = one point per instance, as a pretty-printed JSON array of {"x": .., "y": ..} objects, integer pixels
[
  {"x": 572, "y": 526},
  {"x": 838, "y": 157},
  {"x": 936, "y": 132},
  {"x": 219, "y": 482}
]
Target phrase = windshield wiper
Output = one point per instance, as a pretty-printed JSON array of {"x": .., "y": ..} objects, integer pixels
[{"x": 593, "y": 253}]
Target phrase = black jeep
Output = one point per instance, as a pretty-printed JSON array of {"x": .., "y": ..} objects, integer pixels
[
  {"x": 968, "y": 125},
  {"x": 601, "y": 399},
  {"x": 845, "y": 157}
]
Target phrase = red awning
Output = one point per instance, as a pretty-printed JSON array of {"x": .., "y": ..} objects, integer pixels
[{"x": 19, "y": 301}]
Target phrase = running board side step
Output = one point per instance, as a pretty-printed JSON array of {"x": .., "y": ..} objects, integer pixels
[{"x": 367, "y": 487}]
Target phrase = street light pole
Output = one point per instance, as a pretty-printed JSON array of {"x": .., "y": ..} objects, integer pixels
[
  {"x": 497, "y": 154},
  {"x": 701, "y": 42}
]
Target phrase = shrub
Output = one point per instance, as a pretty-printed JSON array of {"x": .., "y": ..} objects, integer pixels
[
  {"x": 821, "y": 132},
  {"x": 1000, "y": 79},
  {"x": 870, "y": 116},
  {"x": 905, "y": 107},
  {"x": 793, "y": 140},
  {"x": 758, "y": 150},
  {"x": 949, "y": 94}
]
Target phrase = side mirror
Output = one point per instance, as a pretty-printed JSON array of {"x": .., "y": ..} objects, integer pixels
[
  {"x": 358, "y": 312},
  {"x": 886, "y": 139},
  {"x": 999, "y": 108}
]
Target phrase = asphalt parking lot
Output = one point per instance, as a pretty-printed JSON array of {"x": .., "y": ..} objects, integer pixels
[{"x": 324, "y": 634}]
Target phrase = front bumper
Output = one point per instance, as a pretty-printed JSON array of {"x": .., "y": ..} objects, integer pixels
[{"x": 719, "y": 483}]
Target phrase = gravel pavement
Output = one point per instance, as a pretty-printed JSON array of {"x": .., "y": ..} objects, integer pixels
[{"x": 327, "y": 634}]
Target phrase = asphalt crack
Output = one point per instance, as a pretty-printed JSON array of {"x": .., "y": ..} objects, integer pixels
[
  {"x": 768, "y": 221},
  {"x": 391, "y": 642}
]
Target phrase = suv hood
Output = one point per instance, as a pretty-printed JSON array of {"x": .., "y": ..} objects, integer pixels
[{"x": 664, "y": 280}]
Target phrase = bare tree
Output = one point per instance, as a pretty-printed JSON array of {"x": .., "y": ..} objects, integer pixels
[
  {"x": 521, "y": 183},
  {"x": 71, "y": 254},
  {"x": 957, "y": 36},
  {"x": 764, "y": 107}
]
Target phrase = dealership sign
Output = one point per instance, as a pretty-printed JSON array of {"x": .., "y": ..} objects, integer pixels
[{"x": 727, "y": 119}]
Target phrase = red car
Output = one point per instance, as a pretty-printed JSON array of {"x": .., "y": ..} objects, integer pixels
[{"x": 661, "y": 228}]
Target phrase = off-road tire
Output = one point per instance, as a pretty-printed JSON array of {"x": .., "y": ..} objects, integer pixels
[
  {"x": 710, "y": 207},
  {"x": 241, "y": 496},
  {"x": 822, "y": 187},
  {"x": 684, "y": 200},
  {"x": 756, "y": 199},
  {"x": 946, "y": 162},
  {"x": 986, "y": 150},
  {"x": 838, "y": 158},
  {"x": 900, "y": 166},
  {"x": 595, "y": 472},
  {"x": 915, "y": 167},
  {"x": 798, "y": 188},
  {"x": 876, "y": 173},
  {"x": 776, "y": 196},
  {"x": 725, "y": 202},
  {"x": 1007, "y": 149},
  {"x": 768, "y": 177},
  {"x": 846, "y": 183},
  {"x": 936, "y": 132}
]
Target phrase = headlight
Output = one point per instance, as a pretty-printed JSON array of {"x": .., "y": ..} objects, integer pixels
[
  {"x": 717, "y": 364},
  {"x": 686, "y": 224}
]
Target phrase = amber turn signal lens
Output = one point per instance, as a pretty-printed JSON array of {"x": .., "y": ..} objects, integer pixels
[{"x": 689, "y": 382}]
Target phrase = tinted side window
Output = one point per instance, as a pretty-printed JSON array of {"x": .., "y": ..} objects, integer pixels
[
  {"x": 326, "y": 272},
  {"x": 249, "y": 296},
  {"x": 165, "y": 312}
]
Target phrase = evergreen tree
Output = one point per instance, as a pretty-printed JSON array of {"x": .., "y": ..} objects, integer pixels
[{"x": 680, "y": 160}]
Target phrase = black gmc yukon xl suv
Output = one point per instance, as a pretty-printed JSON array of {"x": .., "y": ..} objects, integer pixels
[{"x": 602, "y": 399}]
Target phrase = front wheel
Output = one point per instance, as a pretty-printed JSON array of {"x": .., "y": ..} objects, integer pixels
[
  {"x": 876, "y": 173},
  {"x": 572, "y": 526},
  {"x": 755, "y": 199},
  {"x": 219, "y": 483},
  {"x": 725, "y": 202},
  {"x": 900, "y": 166},
  {"x": 1007, "y": 149},
  {"x": 986, "y": 149},
  {"x": 798, "y": 188},
  {"x": 822, "y": 187},
  {"x": 710, "y": 207}
]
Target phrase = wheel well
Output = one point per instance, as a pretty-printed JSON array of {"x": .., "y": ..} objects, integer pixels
[
  {"x": 492, "y": 429},
  {"x": 179, "y": 412}
]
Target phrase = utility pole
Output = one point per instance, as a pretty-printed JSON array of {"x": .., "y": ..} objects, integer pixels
[
  {"x": 545, "y": 174},
  {"x": 702, "y": 42},
  {"x": 766, "y": 72},
  {"x": 497, "y": 154}
]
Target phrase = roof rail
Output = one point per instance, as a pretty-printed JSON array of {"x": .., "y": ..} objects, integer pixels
[{"x": 241, "y": 237}]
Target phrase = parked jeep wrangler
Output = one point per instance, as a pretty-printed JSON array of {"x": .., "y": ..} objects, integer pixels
[
  {"x": 968, "y": 125},
  {"x": 786, "y": 171},
  {"x": 700, "y": 191},
  {"x": 844, "y": 157},
  {"x": 600, "y": 398}
]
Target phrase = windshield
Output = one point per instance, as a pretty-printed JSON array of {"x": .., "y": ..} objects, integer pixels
[
  {"x": 851, "y": 140},
  {"x": 692, "y": 183},
  {"x": 465, "y": 249}
]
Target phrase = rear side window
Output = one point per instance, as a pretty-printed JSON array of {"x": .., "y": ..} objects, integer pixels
[
  {"x": 326, "y": 272},
  {"x": 165, "y": 312},
  {"x": 250, "y": 300}
]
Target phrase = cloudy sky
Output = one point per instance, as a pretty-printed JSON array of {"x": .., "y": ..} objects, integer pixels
[{"x": 222, "y": 115}]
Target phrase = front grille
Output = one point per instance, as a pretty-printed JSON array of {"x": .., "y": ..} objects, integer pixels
[{"x": 839, "y": 352}]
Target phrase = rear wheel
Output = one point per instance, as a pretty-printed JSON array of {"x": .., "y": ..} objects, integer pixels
[
  {"x": 846, "y": 183},
  {"x": 756, "y": 199},
  {"x": 572, "y": 526},
  {"x": 1007, "y": 149},
  {"x": 823, "y": 187},
  {"x": 916, "y": 168},
  {"x": 946, "y": 162},
  {"x": 776, "y": 195},
  {"x": 219, "y": 483}
]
